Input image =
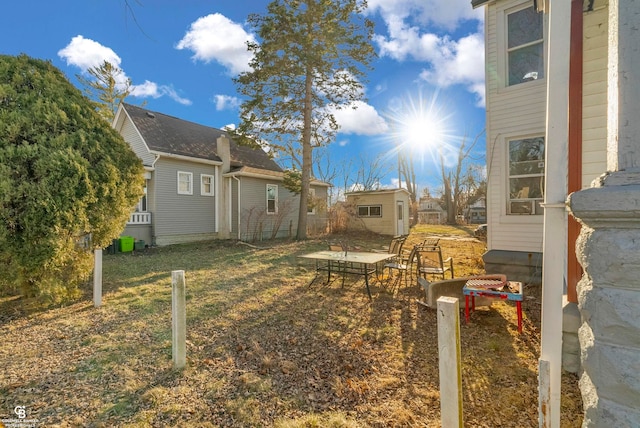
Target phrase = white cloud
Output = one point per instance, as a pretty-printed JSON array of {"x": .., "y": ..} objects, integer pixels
[
  {"x": 424, "y": 12},
  {"x": 216, "y": 38},
  {"x": 86, "y": 53},
  {"x": 363, "y": 120},
  {"x": 153, "y": 90},
  {"x": 226, "y": 102},
  {"x": 450, "y": 61}
]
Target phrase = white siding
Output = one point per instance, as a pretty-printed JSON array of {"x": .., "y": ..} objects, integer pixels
[
  {"x": 512, "y": 112},
  {"x": 594, "y": 96}
]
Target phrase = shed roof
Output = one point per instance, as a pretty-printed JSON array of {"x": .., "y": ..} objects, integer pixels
[
  {"x": 168, "y": 134},
  {"x": 376, "y": 192}
]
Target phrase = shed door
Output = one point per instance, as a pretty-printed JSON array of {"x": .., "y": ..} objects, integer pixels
[{"x": 400, "y": 217}]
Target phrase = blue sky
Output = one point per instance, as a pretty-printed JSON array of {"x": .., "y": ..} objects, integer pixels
[{"x": 182, "y": 55}]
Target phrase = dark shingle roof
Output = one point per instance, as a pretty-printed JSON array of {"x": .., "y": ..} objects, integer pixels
[
  {"x": 168, "y": 134},
  {"x": 476, "y": 3}
]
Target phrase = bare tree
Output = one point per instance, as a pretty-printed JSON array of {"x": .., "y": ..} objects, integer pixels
[
  {"x": 371, "y": 171},
  {"x": 453, "y": 179},
  {"x": 408, "y": 176}
]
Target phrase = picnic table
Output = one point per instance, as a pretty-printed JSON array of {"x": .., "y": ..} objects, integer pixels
[{"x": 347, "y": 262}]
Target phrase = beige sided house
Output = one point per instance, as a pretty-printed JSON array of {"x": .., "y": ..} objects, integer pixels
[
  {"x": 381, "y": 211},
  {"x": 202, "y": 185}
]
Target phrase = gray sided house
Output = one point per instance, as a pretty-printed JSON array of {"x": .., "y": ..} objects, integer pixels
[
  {"x": 381, "y": 211},
  {"x": 201, "y": 185}
]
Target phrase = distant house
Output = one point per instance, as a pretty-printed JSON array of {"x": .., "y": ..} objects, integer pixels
[
  {"x": 476, "y": 213},
  {"x": 383, "y": 211},
  {"x": 430, "y": 211},
  {"x": 202, "y": 185}
]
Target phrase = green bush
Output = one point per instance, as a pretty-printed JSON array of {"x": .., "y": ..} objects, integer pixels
[{"x": 64, "y": 174}]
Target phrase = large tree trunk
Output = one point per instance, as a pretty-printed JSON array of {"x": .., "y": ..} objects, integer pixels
[{"x": 306, "y": 158}]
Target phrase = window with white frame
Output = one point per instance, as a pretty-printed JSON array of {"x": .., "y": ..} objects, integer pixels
[
  {"x": 206, "y": 185},
  {"x": 141, "y": 207},
  {"x": 369, "y": 210},
  {"x": 525, "y": 46},
  {"x": 311, "y": 204},
  {"x": 526, "y": 176},
  {"x": 185, "y": 183},
  {"x": 272, "y": 198}
]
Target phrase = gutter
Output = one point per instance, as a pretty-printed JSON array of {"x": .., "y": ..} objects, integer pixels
[
  {"x": 185, "y": 158},
  {"x": 238, "y": 180}
]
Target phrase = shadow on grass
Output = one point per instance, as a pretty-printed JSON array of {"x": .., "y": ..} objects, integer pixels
[{"x": 263, "y": 346}]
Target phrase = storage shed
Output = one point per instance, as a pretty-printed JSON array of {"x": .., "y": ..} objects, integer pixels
[{"x": 383, "y": 211}]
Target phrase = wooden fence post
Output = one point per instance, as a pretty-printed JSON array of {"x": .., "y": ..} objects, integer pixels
[
  {"x": 97, "y": 277},
  {"x": 450, "y": 362},
  {"x": 178, "y": 319}
]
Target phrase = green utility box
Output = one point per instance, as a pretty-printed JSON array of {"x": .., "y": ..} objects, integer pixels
[
  {"x": 139, "y": 245},
  {"x": 126, "y": 244}
]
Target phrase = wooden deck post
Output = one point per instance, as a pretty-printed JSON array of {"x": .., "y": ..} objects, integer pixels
[
  {"x": 178, "y": 319},
  {"x": 450, "y": 362}
]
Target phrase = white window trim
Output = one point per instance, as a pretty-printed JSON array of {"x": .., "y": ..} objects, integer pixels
[
  {"x": 505, "y": 217},
  {"x": 276, "y": 199},
  {"x": 502, "y": 24},
  {"x": 190, "y": 191},
  {"x": 212, "y": 185}
]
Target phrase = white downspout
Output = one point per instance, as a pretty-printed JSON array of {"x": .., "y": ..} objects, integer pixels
[
  {"x": 218, "y": 178},
  {"x": 555, "y": 216},
  {"x": 239, "y": 223}
]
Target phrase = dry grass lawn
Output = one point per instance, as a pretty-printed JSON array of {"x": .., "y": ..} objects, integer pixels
[{"x": 266, "y": 349}]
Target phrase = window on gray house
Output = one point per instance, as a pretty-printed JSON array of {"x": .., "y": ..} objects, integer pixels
[
  {"x": 185, "y": 183},
  {"x": 206, "y": 185},
  {"x": 525, "y": 46},
  {"x": 526, "y": 176},
  {"x": 272, "y": 198}
]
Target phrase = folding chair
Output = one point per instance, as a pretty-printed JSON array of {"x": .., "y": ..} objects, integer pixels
[{"x": 430, "y": 262}]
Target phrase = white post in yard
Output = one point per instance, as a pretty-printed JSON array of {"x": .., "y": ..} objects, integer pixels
[
  {"x": 178, "y": 319},
  {"x": 450, "y": 362},
  {"x": 97, "y": 277}
]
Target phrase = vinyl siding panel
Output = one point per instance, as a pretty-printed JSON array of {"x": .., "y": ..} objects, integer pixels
[
  {"x": 317, "y": 222},
  {"x": 256, "y": 224},
  {"x": 387, "y": 223},
  {"x": 594, "y": 96},
  {"x": 131, "y": 136},
  {"x": 512, "y": 112},
  {"x": 180, "y": 218}
]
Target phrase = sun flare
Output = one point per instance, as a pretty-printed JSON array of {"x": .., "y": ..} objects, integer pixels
[{"x": 420, "y": 128}]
